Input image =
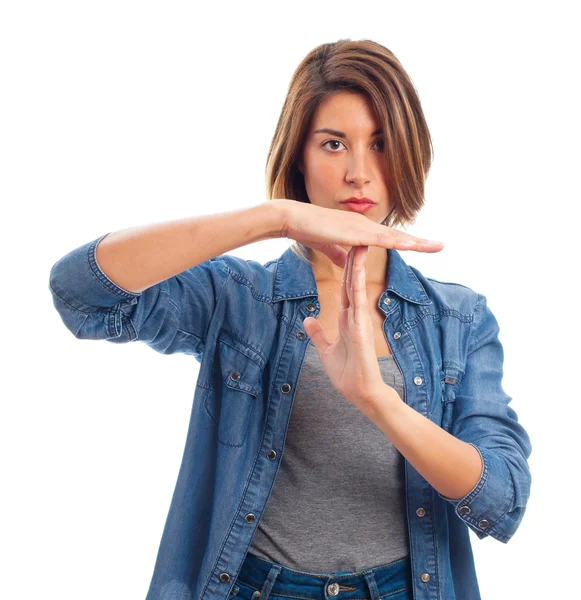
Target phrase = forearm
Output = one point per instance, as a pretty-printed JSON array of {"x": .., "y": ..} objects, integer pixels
[
  {"x": 449, "y": 465},
  {"x": 139, "y": 257}
]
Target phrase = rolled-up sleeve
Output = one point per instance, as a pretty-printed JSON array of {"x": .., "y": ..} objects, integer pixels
[
  {"x": 483, "y": 418},
  {"x": 171, "y": 316}
]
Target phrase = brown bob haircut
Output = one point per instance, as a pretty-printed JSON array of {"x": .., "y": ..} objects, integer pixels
[{"x": 362, "y": 66}]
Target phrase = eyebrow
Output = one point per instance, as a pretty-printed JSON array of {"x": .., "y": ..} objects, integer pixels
[{"x": 341, "y": 134}]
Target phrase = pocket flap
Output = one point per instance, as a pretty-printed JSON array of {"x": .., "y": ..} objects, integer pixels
[{"x": 239, "y": 371}]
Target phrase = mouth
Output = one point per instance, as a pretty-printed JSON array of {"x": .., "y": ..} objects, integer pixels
[
  {"x": 359, "y": 206},
  {"x": 356, "y": 200}
]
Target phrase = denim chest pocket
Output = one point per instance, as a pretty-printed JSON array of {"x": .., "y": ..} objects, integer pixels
[
  {"x": 236, "y": 384},
  {"x": 450, "y": 378}
]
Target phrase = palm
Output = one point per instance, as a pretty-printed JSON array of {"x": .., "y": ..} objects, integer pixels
[{"x": 350, "y": 361}]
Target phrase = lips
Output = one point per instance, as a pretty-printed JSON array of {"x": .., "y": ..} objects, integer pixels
[
  {"x": 359, "y": 207},
  {"x": 357, "y": 200}
]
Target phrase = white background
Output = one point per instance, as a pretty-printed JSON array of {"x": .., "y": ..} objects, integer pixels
[{"x": 117, "y": 114}]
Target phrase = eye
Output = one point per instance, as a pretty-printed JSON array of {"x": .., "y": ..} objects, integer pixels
[
  {"x": 339, "y": 142},
  {"x": 332, "y": 142}
]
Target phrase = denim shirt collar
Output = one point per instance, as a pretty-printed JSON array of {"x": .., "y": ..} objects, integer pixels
[{"x": 294, "y": 279}]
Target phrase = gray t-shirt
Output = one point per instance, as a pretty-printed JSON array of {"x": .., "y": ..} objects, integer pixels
[{"x": 338, "y": 501}]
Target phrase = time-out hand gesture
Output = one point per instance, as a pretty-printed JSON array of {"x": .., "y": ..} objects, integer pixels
[
  {"x": 350, "y": 362},
  {"x": 327, "y": 229}
]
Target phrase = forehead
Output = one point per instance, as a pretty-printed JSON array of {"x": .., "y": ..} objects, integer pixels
[{"x": 348, "y": 111}]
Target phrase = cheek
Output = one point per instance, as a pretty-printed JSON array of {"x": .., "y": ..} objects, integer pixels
[{"x": 325, "y": 174}]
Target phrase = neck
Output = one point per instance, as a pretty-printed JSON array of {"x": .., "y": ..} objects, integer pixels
[{"x": 324, "y": 269}]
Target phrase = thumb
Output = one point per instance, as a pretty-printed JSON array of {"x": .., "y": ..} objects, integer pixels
[{"x": 316, "y": 332}]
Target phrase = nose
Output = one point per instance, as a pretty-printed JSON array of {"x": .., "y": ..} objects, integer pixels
[{"x": 358, "y": 168}]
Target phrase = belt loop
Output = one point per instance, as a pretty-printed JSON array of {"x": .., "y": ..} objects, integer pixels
[
  {"x": 269, "y": 582},
  {"x": 372, "y": 584}
]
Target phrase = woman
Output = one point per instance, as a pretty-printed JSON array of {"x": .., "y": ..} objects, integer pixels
[{"x": 401, "y": 439}]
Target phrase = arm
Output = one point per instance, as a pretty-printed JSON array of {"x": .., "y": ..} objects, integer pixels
[
  {"x": 448, "y": 464},
  {"x": 139, "y": 257},
  {"x": 489, "y": 492},
  {"x": 126, "y": 298}
]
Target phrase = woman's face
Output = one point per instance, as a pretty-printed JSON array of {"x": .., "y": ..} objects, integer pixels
[{"x": 347, "y": 161}]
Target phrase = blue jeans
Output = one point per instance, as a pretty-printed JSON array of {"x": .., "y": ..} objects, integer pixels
[{"x": 259, "y": 578}]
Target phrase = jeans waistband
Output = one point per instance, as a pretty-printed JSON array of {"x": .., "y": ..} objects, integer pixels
[{"x": 265, "y": 577}]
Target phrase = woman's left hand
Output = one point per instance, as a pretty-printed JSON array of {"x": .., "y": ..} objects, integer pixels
[{"x": 351, "y": 362}]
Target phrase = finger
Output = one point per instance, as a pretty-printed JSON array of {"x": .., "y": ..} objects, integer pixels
[
  {"x": 406, "y": 241},
  {"x": 344, "y": 294},
  {"x": 428, "y": 246},
  {"x": 317, "y": 334},
  {"x": 350, "y": 274},
  {"x": 360, "y": 308},
  {"x": 389, "y": 237},
  {"x": 421, "y": 245}
]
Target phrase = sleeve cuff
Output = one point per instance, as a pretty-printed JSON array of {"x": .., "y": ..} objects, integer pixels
[
  {"x": 79, "y": 281},
  {"x": 484, "y": 507}
]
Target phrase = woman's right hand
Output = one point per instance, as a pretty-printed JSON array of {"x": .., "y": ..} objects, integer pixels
[{"x": 327, "y": 229}]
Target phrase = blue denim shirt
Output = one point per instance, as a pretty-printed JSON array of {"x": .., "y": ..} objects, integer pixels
[{"x": 242, "y": 321}]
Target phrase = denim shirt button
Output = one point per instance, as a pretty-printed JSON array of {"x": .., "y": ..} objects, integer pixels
[
  {"x": 396, "y": 335},
  {"x": 464, "y": 510},
  {"x": 425, "y": 577},
  {"x": 271, "y": 454},
  {"x": 285, "y": 388},
  {"x": 224, "y": 577},
  {"x": 387, "y": 301},
  {"x": 250, "y": 518},
  {"x": 235, "y": 376},
  {"x": 483, "y": 524},
  {"x": 311, "y": 307},
  {"x": 417, "y": 380},
  {"x": 420, "y": 512},
  {"x": 301, "y": 335}
]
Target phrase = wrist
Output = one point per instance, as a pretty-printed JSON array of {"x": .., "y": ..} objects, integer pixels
[
  {"x": 272, "y": 218},
  {"x": 385, "y": 396},
  {"x": 283, "y": 209}
]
